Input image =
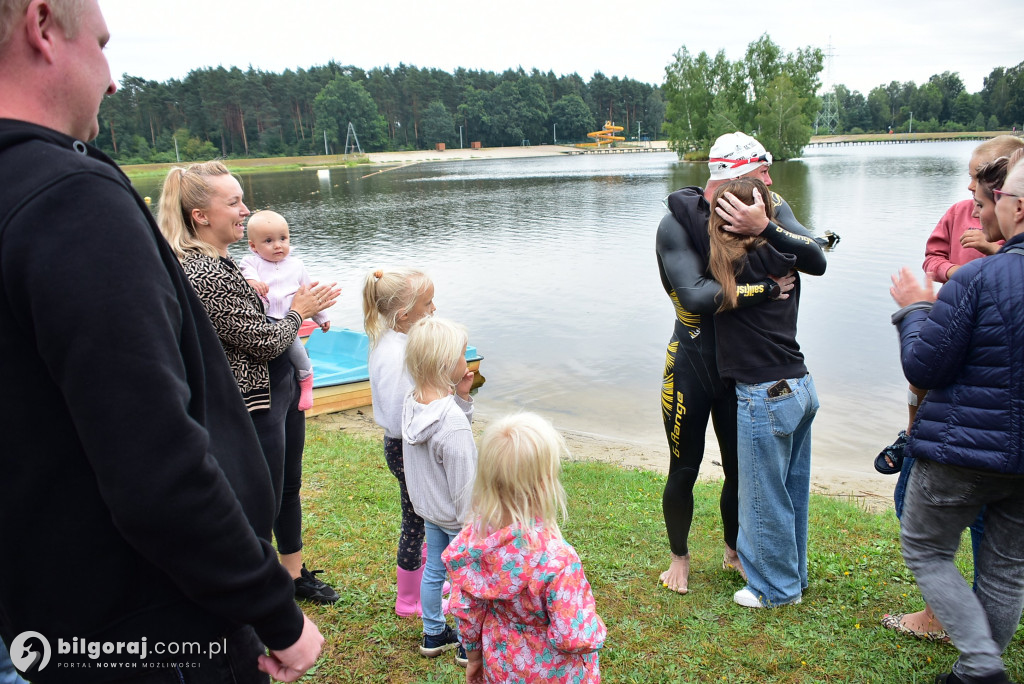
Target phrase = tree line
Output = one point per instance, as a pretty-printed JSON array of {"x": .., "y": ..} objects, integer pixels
[
  {"x": 941, "y": 104},
  {"x": 768, "y": 93},
  {"x": 773, "y": 95},
  {"x": 219, "y": 112}
]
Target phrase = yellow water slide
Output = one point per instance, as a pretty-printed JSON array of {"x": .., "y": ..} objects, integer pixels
[{"x": 604, "y": 136}]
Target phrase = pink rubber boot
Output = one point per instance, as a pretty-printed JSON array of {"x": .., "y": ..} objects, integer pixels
[
  {"x": 408, "y": 602},
  {"x": 306, "y": 392}
]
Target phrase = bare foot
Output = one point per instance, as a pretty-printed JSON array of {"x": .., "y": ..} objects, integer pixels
[
  {"x": 922, "y": 621},
  {"x": 731, "y": 561},
  {"x": 677, "y": 576}
]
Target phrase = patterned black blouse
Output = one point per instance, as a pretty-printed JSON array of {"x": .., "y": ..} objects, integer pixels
[{"x": 250, "y": 340}]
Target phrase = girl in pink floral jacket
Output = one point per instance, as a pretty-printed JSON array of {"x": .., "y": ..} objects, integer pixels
[{"x": 524, "y": 606}]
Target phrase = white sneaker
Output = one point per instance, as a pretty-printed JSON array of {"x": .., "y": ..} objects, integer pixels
[{"x": 747, "y": 599}]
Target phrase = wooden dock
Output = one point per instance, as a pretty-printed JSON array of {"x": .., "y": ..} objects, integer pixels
[
  {"x": 627, "y": 148},
  {"x": 901, "y": 138},
  {"x": 624, "y": 150}
]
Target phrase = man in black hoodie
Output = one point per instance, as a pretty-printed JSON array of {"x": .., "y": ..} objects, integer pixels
[{"x": 137, "y": 506}]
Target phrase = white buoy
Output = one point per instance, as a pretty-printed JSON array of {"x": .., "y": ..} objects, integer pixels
[{"x": 324, "y": 174}]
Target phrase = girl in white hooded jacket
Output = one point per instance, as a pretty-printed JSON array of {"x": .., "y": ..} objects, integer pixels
[{"x": 440, "y": 458}]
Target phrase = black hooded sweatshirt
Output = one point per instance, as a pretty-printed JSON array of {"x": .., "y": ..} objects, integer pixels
[
  {"x": 753, "y": 343},
  {"x": 136, "y": 502}
]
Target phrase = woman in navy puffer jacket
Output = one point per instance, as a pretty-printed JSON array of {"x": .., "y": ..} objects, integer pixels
[{"x": 967, "y": 349}]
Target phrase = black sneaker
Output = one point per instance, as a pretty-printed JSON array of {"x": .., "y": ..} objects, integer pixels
[
  {"x": 309, "y": 588},
  {"x": 461, "y": 659},
  {"x": 435, "y": 644}
]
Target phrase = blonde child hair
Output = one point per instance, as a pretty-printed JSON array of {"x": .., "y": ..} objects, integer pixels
[
  {"x": 185, "y": 189},
  {"x": 999, "y": 146},
  {"x": 387, "y": 294},
  {"x": 517, "y": 481},
  {"x": 729, "y": 249},
  {"x": 435, "y": 347}
]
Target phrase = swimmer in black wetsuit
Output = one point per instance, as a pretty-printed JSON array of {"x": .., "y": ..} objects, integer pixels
[{"x": 691, "y": 389}]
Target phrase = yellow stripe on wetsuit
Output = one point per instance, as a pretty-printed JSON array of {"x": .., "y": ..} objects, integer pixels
[
  {"x": 690, "y": 320},
  {"x": 673, "y": 405},
  {"x": 667, "y": 382}
]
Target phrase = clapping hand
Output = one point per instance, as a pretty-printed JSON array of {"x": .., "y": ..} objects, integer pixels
[{"x": 906, "y": 290}]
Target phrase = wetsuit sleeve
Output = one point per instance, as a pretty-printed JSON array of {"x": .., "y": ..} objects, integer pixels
[
  {"x": 684, "y": 272},
  {"x": 574, "y": 625},
  {"x": 789, "y": 236},
  {"x": 810, "y": 258},
  {"x": 784, "y": 215}
]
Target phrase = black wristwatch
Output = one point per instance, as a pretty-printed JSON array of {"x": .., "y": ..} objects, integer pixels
[{"x": 774, "y": 289}]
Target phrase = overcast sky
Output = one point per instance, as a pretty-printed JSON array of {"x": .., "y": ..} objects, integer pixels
[{"x": 873, "y": 41}]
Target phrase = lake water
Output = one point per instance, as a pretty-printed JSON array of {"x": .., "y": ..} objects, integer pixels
[{"x": 550, "y": 263}]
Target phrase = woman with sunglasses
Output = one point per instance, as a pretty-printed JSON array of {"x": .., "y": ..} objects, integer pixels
[
  {"x": 958, "y": 239},
  {"x": 965, "y": 347}
]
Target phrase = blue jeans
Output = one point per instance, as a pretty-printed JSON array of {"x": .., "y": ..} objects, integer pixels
[
  {"x": 8, "y": 675},
  {"x": 432, "y": 583},
  {"x": 773, "y": 440},
  {"x": 941, "y": 501}
]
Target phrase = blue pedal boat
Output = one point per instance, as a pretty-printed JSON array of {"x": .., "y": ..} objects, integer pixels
[{"x": 341, "y": 378}]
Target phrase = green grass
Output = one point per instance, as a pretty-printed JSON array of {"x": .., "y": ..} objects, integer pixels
[
  {"x": 253, "y": 165},
  {"x": 351, "y": 517}
]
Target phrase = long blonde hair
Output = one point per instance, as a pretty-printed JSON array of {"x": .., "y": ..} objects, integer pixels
[
  {"x": 517, "y": 475},
  {"x": 433, "y": 352},
  {"x": 185, "y": 189},
  {"x": 387, "y": 294},
  {"x": 729, "y": 250}
]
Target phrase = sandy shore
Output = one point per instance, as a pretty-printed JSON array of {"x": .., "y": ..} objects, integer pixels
[
  {"x": 419, "y": 156},
  {"x": 387, "y": 159},
  {"x": 872, "y": 491}
]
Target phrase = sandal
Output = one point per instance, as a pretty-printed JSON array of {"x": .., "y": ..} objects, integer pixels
[
  {"x": 895, "y": 623},
  {"x": 890, "y": 460}
]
